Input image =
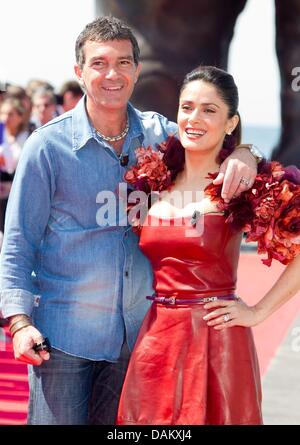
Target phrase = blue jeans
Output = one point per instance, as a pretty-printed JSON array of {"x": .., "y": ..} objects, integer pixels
[{"x": 69, "y": 390}]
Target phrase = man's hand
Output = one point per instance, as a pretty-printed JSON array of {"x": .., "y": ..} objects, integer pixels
[
  {"x": 237, "y": 173},
  {"x": 23, "y": 342}
]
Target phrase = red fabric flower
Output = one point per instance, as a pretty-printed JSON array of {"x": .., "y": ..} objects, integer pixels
[
  {"x": 151, "y": 173},
  {"x": 269, "y": 212}
]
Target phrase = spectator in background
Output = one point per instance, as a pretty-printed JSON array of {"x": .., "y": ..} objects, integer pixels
[
  {"x": 70, "y": 93},
  {"x": 43, "y": 107},
  {"x": 15, "y": 132},
  {"x": 17, "y": 92},
  {"x": 34, "y": 85},
  {"x": 2, "y": 96}
]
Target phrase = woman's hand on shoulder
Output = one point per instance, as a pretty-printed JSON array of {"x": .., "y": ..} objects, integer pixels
[{"x": 237, "y": 173}]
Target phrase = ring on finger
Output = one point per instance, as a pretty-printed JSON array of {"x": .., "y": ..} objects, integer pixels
[
  {"x": 226, "y": 318},
  {"x": 245, "y": 181},
  {"x": 42, "y": 346}
]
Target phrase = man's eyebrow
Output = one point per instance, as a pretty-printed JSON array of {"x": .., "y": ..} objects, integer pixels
[{"x": 128, "y": 57}]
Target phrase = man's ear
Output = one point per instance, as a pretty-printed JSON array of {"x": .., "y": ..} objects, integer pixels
[
  {"x": 78, "y": 73},
  {"x": 137, "y": 72}
]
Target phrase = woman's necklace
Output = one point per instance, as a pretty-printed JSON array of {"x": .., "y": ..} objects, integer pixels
[{"x": 118, "y": 137}]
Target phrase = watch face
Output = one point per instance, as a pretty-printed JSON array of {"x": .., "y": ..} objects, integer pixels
[{"x": 255, "y": 151}]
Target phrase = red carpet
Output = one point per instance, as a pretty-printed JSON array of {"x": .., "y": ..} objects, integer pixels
[
  {"x": 13, "y": 385},
  {"x": 254, "y": 279}
]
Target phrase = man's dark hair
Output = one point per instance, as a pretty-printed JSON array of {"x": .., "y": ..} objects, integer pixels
[{"x": 104, "y": 29}]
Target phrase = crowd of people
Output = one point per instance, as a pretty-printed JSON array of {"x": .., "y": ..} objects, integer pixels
[{"x": 22, "y": 110}]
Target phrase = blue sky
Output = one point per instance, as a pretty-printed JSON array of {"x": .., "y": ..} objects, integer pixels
[{"x": 37, "y": 40}]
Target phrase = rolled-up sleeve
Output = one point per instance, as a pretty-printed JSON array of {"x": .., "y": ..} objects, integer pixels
[{"x": 16, "y": 301}]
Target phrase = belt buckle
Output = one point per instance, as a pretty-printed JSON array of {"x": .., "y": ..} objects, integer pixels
[
  {"x": 208, "y": 299},
  {"x": 171, "y": 300},
  {"x": 160, "y": 299}
]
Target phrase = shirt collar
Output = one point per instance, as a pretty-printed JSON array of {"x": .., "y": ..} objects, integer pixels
[
  {"x": 83, "y": 131},
  {"x": 136, "y": 129},
  {"x": 81, "y": 127}
]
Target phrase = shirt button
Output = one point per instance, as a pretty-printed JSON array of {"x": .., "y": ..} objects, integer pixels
[{"x": 126, "y": 273}]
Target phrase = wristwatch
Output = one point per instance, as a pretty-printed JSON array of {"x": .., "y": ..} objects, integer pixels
[{"x": 254, "y": 151}]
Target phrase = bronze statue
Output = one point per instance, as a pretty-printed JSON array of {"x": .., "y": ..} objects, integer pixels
[{"x": 177, "y": 35}]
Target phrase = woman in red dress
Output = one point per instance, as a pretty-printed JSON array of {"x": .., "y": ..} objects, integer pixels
[{"x": 194, "y": 361}]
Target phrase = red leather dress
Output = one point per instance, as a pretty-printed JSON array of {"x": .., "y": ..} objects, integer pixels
[{"x": 181, "y": 371}]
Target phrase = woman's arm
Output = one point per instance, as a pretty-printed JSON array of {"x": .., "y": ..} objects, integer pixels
[{"x": 239, "y": 314}]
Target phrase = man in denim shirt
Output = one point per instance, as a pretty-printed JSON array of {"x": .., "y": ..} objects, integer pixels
[{"x": 70, "y": 271}]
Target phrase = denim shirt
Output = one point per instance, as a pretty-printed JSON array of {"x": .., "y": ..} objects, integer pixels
[{"x": 81, "y": 276}]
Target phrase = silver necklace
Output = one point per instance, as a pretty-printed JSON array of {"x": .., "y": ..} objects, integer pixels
[{"x": 118, "y": 137}]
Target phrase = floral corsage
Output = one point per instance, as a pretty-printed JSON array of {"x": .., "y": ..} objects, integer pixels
[
  {"x": 269, "y": 212},
  {"x": 150, "y": 174}
]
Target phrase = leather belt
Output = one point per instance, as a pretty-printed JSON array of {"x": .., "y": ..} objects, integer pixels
[{"x": 172, "y": 300}]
